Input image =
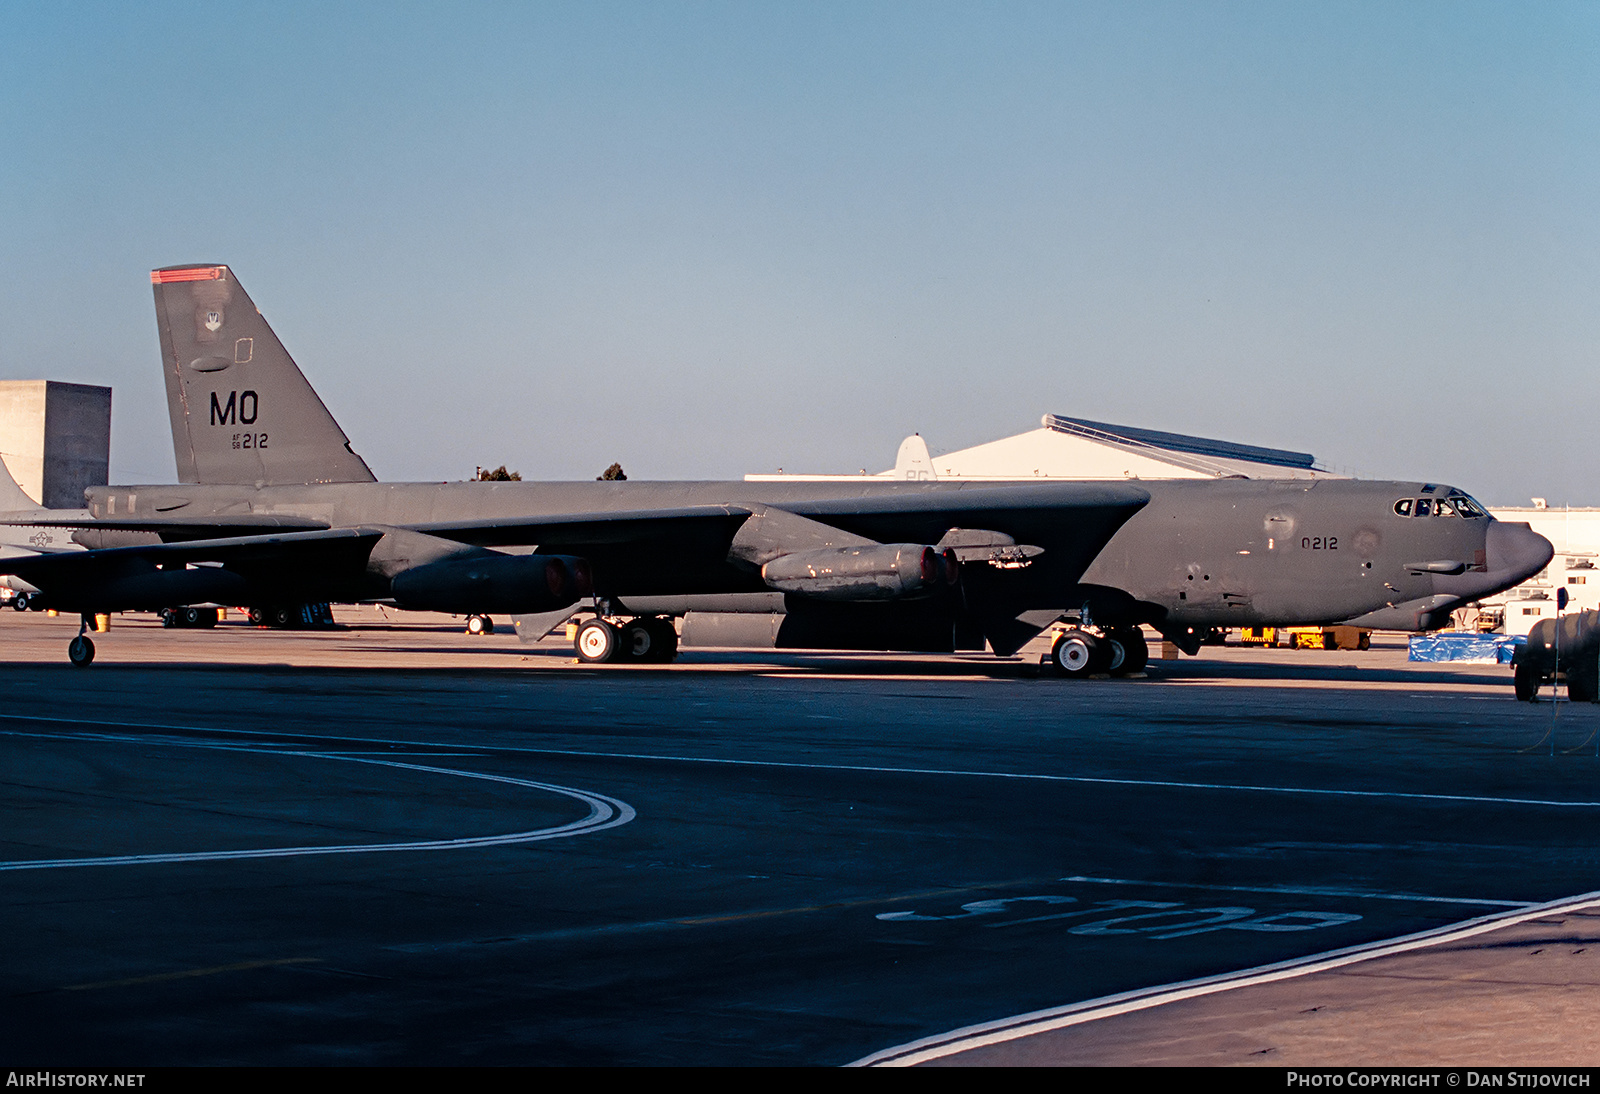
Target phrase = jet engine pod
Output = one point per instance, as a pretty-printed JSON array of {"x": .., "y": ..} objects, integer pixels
[
  {"x": 493, "y": 583},
  {"x": 888, "y": 571}
]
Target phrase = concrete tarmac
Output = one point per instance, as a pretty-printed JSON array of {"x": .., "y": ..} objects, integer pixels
[
  {"x": 399, "y": 844},
  {"x": 1519, "y": 996}
]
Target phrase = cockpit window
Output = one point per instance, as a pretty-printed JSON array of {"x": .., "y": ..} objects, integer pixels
[{"x": 1457, "y": 504}]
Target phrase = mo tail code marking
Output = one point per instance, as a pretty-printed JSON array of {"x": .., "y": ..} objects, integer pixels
[{"x": 240, "y": 409}]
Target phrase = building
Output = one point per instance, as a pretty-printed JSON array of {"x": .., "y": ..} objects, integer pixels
[
  {"x": 55, "y": 438},
  {"x": 1079, "y": 449}
]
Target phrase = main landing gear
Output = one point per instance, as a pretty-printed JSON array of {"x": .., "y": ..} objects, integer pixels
[
  {"x": 292, "y": 617},
  {"x": 80, "y": 651},
  {"x": 1078, "y": 653},
  {"x": 646, "y": 640},
  {"x": 188, "y": 617}
]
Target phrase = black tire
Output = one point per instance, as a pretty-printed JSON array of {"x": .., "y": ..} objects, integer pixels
[
  {"x": 1526, "y": 681},
  {"x": 20, "y": 602},
  {"x": 636, "y": 641},
  {"x": 283, "y": 617},
  {"x": 650, "y": 640},
  {"x": 1077, "y": 654},
  {"x": 665, "y": 648},
  {"x": 596, "y": 642},
  {"x": 479, "y": 624},
  {"x": 80, "y": 651},
  {"x": 169, "y": 618},
  {"x": 191, "y": 617},
  {"x": 1135, "y": 651}
]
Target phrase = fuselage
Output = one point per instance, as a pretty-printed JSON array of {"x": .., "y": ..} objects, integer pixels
[
  {"x": 1198, "y": 554},
  {"x": 1253, "y": 552}
]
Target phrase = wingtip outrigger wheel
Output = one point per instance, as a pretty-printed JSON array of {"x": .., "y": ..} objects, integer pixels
[{"x": 80, "y": 651}]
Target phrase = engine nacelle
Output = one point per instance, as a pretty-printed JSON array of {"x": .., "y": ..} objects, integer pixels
[
  {"x": 493, "y": 583},
  {"x": 888, "y": 571}
]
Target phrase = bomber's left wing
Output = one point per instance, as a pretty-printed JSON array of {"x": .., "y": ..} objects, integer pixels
[
  {"x": 237, "y": 570},
  {"x": 360, "y": 563},
  {"x": 1057, "y": 530}
]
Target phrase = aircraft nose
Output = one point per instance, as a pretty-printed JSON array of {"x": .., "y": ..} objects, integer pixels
[{"x": 1515, "y": 551}]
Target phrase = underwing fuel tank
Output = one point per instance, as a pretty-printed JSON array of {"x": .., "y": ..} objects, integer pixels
[{"x": 890, "y": 571}]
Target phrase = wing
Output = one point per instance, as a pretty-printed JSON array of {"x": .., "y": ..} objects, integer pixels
[{"x": 703, "y": 549}]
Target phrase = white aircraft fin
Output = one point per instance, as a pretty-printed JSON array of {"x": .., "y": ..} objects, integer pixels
[
  {"x": 913, "y": 461},
  {"x": 12, "y": 497}
]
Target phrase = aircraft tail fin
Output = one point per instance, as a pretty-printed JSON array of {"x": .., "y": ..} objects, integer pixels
[
  {"x": 242, "y": 411},
  {"x": 913, "y": 460},
  {"x": 13, "y": 498}
]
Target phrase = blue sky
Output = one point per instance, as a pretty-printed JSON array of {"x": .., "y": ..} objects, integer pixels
[{"x": 705, "y": 239}]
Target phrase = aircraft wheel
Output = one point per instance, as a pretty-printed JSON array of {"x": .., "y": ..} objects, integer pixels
[
  {"x": 282, "y": 617},
  {"x": 480, "y": 624},
  {"x": 191, "y": 617},
  {"x": 20, "y": 602},
  {"x": 1077, "y": 654},
  {"x": 1135, "y": 651},
  {"x": 664, "y": 646},
  {"x": 168, "y": 619},
  {"x": 80, "y": 651},
  {"x": 1526, "y": 681},
  {"x": 637, "y": 640},
  {"x": 596, "y": 641},
  {"x": 651, "y": 639},
  {"x": 1115, "y": 653}
]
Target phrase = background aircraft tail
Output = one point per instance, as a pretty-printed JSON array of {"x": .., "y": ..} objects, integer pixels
[
  {"x": 12, "y": 497},
  {"x": 913, "y": 461},
  {"x": 242, "y": 412}
]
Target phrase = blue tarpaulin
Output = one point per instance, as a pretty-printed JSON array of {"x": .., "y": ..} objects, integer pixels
[{"x": 1481, "y": 649}]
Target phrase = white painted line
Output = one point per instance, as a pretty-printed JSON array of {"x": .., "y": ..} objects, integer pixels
[
  {"x": 1393, "y": 795},
  {"x": 1286, "y": 890},
  {"x": 604, "y": 812},
  {"x": 1073, "y": 1014}
]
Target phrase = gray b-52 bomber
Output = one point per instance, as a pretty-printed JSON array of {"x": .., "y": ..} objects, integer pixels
[{"x": 274, "y": 507}]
